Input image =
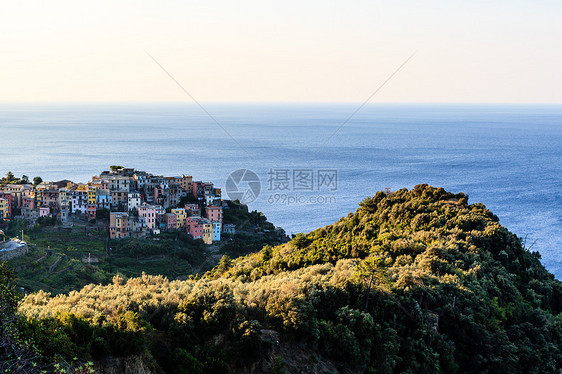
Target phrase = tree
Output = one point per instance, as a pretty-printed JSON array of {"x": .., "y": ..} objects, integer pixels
[
  {"x": 15, "y": 356},
  {"x": 373, "y": 271},
  {"x": 9, "y": 297},
  {"x": 225, "y": 263},
  {"x": 267, "y": 253},
  {"x": 37, "y": 180},
  {"x": 9, "y": 177},
  {"x": 24, "y": 179},
  {"x": 115, "y": 167}
]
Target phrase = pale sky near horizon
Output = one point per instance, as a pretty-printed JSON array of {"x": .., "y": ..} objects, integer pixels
[{"x": 289, "y": 51}]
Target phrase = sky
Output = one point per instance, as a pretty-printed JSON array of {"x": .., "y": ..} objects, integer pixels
[{"x": 283, "y": 51}]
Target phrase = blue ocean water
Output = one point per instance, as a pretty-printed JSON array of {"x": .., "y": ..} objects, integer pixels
[{"x": 507, "y": 156}]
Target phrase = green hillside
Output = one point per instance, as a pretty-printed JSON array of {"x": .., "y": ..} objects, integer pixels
[
  {"x": 63, "y": 259},
  {"x": 413, "y": 282}
]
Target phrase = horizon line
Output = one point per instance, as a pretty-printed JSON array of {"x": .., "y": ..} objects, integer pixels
[{"x": 93, "y": 102}]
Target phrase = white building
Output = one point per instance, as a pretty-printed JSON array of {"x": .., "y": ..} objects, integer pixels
[
  {"x": 65, "y": 197},
  {"x": 121, "y": 183},
  {"x": 79, "y": 201},
  {"x": 133, "y": 201}
]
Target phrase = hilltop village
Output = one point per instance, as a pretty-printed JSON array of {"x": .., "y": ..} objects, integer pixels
[{"x": 137, "y": 204}]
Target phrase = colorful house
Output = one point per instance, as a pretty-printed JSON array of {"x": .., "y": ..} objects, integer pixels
[
  {"x": 200, "y": 228},
  {"x": 5, "y": 211},
  {"x": 100, "y": 184},
  {"x": 193, "y": 210},
  {"x": 39, "y": 197},
  {"x": 216, "y": 231},
  {"x": 122, "y": 225},
  {"x": 44, "y": 211},
  {"x": 91, "y": 211},
  {"x": 79, "y": 201},
  {"x": 152, "y": 214},
  {"x": 140, "y": 177},
  {"x": 118, "y": 225},
  {"x": 171, "y": 221},
  {"x": 133, "y": 201},
  {"x": 92, "y": 193},
  {"x": 103, "y": 199},
  {"x": 229, "y": 228},
  {"x": 50, "y": 199},
  {"x": 7, "y": 198},
  {"x": 65, "y": 198},
  {"x": 119, "y": 200},
  {"x": 212, "y": 196},
  {"x": 121, "y": 183},
  {"x": 13, "y": 192},
  {"x": 173, "y": 194},
  {"x": 214, "y": 213},
  {"x": 158, "y": 194},
  {"x": 181, "y": 215},
  {"x": 29, "y": 202},
  {"x": 198, "y": 189},
  {"x": 185, "y": 182}
]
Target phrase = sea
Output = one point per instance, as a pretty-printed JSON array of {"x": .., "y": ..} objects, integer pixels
[{"x": 306, "y": 165}]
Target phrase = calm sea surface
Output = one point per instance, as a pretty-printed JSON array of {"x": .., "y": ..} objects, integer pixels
[{"x": 508, "y": 157}]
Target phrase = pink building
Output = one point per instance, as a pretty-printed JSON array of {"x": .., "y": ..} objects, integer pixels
[
  {"x": 200, "y": 228},
  {"x": 214, "y": 213},
  {"x": 28, "y": 202},
  {"x": 91, "y": 211},
  {"x": 198, "y": 189},
  {"x": 44, "y": 212},
  {"x": 152, "y": 214},
  {"x": 159, "y": 194},
  {"x": 50, "y": 198},
  {"x": 171, "y": 221}
]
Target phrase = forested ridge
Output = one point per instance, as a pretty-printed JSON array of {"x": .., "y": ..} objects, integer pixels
[{"x": 415, "y": 281}]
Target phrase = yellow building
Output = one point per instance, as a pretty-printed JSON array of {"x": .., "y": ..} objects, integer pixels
[
  {"x": 4, "y": 208},
  {"x": 39, "y": 197},
  {"x": 92, "y": 195},
  {"x": 181, "y": 216},
  {"x": 208, "y": 232}
]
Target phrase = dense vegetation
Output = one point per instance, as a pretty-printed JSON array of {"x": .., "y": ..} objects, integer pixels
[
  {"x": 412, "y": 282},
  {"x": 62, "y": 259},
  {"x": 11, "y": 179}
]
